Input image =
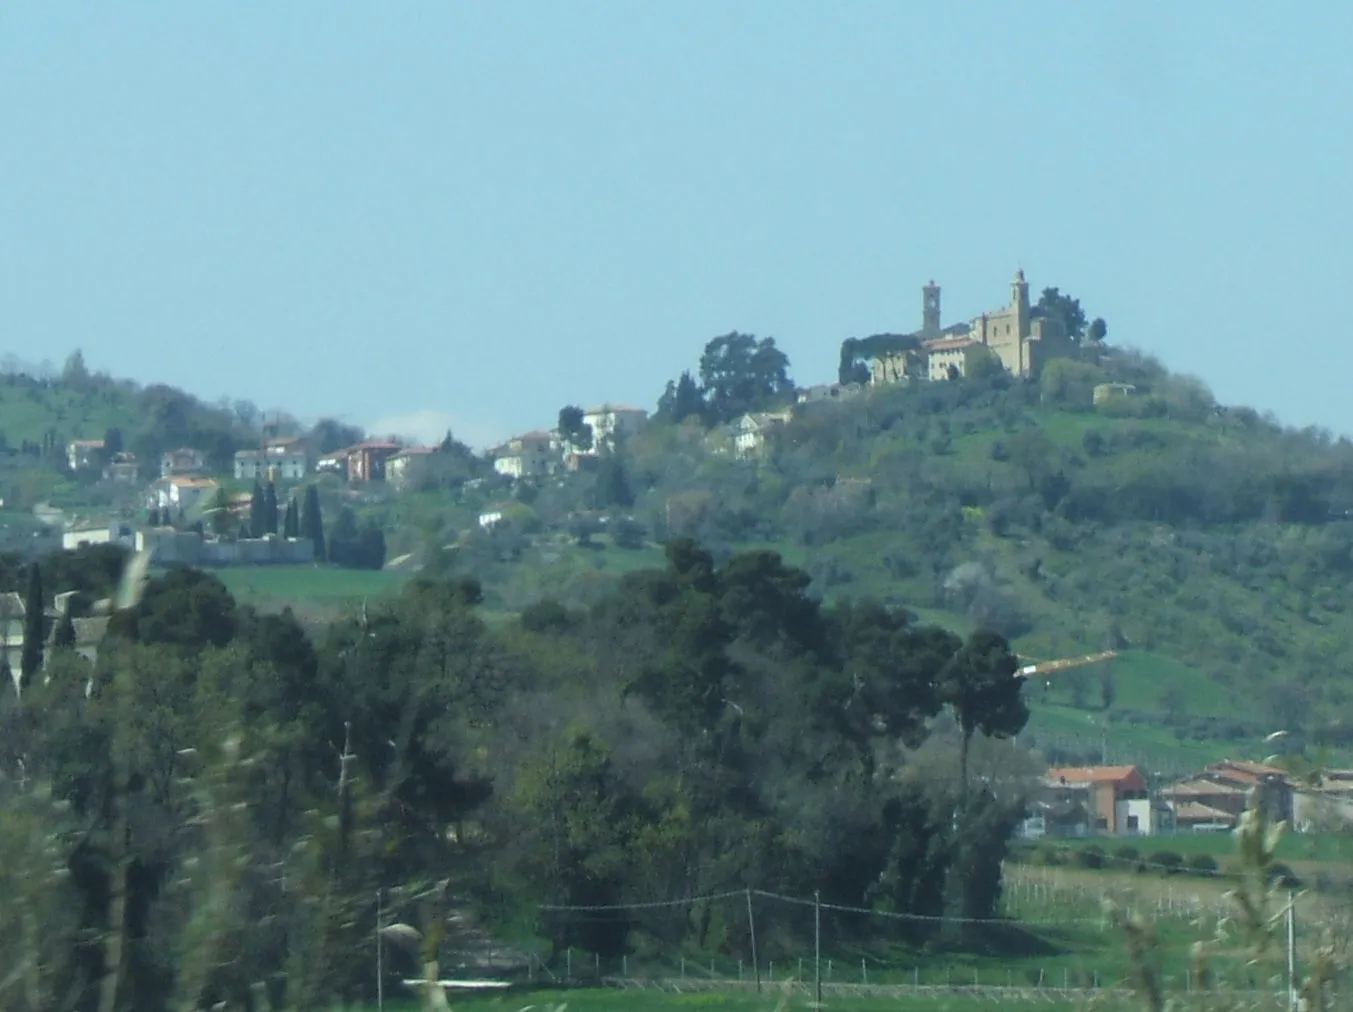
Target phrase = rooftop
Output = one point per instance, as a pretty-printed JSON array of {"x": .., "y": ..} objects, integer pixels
[{"x": 1091, "y": 774}]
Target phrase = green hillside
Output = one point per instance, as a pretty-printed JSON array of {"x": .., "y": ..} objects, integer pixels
[{"x": 1210, "y": 546}]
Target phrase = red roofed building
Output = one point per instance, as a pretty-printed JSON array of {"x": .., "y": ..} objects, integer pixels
[
  {"x": 1116, "y": 797},
  {"x": 1215, "y": 798},
  {"x": 366, "y": 461}
]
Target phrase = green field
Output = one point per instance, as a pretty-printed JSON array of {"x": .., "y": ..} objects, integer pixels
[
  {"x": 275, "y": 586},
  {"x": 652, "y": 1001}
]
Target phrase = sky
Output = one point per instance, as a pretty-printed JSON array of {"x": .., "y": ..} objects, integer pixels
[{"x": 417, "y": 216}]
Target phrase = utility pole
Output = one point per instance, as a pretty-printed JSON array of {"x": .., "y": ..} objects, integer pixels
[
  {"x": 1291, "y": 949},
  {"x": 751, "y": 926},
  {"x": 817, "y": 945},
  {"x": 380, "y": 958}
]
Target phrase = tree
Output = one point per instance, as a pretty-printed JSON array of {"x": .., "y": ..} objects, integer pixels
[
  {"x": 219, "y": 512},
  {"x": 312, "y": 522},
  {"x": 30, "y": 661},
  {"x": 980, "y": 688},
  {"x": 291, "y": 520},
  {"x": 681, "y": 400},
  {"x": 1053, "y": 305},
  {"x": 1108, "y": 687},
  {"x": 270, "y": 509},
  {"x": 612, "y": 485},
  {"x": 573, "y": 429},
  {"x": 258, "y": 512},
  {"x": 739, "y": 373},
  {"x": 63, "y": 638},
  {"x": 1098, "y": 330},
  {"x": 329, "y": 435},
  {"x": 75, "y": 372},
  {"x": 112, "y": 442}
]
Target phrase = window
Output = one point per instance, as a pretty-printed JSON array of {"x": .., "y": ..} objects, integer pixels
[{"x": 1132, "y": 823}]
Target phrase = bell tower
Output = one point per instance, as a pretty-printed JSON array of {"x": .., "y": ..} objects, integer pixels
[{"x": 930, "y": 309}]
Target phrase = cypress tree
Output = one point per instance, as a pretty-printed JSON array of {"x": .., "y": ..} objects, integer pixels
[
  {"x": 270, "y": 509},
  {"x": 64, "y": 637},
  {"x": 258, "y": 512},
  {"x": 30, "y": 662},
  {"x": 312, "y": 522},
  {"x": 290, "y": 524}
]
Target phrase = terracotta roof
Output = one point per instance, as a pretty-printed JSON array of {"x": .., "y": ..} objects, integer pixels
[
  {"x": 1193, "y": 811},
  {"x": 950, "y": 343},
  {"x": 192, "y": 482},
  {"x": 373, "y": 444},
  {"x": 1091, "y": 774},
  {"x": 1202, "y": 788}
]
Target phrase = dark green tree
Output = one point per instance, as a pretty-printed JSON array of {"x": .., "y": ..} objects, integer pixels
[
  {"x": 312, "y": 522},
  {"x": 30, "y": 660},
  {"x": 681, "y": 400},
  {"x": 738, "y": 373},
  {"x": 1063, "y": 308},
  {"x": 1098, "y": 330},
  {"x": 573, "y": 428},
  {"x": 980, "y": 688},
  {"x": 612, "y": 486},
  {"x": 270, "y": 509},
  {"x": 258, "y": 512},
  {"x": 291, "y": 520},
  {"x": 112, "y": 442},
  {"x": 63, "y": 638}
]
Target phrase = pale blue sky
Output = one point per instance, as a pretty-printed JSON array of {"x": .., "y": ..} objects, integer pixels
[{"x": 485, "y": 211}]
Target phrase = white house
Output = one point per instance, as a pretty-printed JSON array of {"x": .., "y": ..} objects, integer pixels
[
  {"x": 184, "y": 460},
  {"x": 286, "y": 464},
  {"x": 751, "y": 432},
  {"x": 491, "y": 517},
  {"x": 83, "y": 453},
  {"x": 828, "y": 392},
  {"x": 612, "y": 421},
  {"x": 404, "y": 466},
  {"x": 529, "y": 454},
  {"x": 113, "y": 532},
  {"x": 181, "y": 493}
]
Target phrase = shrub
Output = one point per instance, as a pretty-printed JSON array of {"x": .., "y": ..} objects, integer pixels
[
  {"x": 1203, "y": 864},
  {"x": 1165, "y": 860},
  {"x": 1127, "y": 856},
  {"x": 1090, "y": 857},
  {"x": 1052, "y": 857},
  {"x": 1282, "y": 877}
]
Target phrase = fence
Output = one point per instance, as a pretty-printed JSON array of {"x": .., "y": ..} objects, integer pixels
[{"x": 849, "y": 950}]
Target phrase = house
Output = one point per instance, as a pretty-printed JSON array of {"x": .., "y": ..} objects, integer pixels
[
  {"x": 404, "y": 468},
  {"x": 1057, "y": 813},
  {"x": 1106, "y": 392},
  {"x": 1021, "y": 337},
  {"x": 288, "y": 457},
  {"x": 184, "y": 460},
  {"x": 530, "y": 454},
  {"x": 249, "y": 465},
  {"x": 611, "y": 422},
  {"x": 1115, "y": 797},
  {"x": 182, "y": 493},
  {"x": 828, "y": 392},
  {"x": 13, "y": 615},
  {"x": 948, "y": 357},
  {"x": 1215, "y": 798},
  {"x": 123, "y": 469},
  {"x": 1326, "y": 805},
  {"x": 84, "y": 453},
  {"x": 114, "y": 532},
  {"x": 492, "y": 516},
  {"x": 366, "y": 461},
  {"x": 333, "y": 462},
  {"x": 751, "y": 432}
]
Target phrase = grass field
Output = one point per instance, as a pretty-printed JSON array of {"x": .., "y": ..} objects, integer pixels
[
  {"x": 770, "y": 1001},
  {"x": 275, "y": 586}
]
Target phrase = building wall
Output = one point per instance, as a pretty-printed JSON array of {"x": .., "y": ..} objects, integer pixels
[{"x": 1135, "y": 816}]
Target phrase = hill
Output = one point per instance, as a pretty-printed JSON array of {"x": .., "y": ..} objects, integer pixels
[{"x": 1210, "y": 545}]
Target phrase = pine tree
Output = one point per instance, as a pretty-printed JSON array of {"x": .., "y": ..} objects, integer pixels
[
  {"x": 312, "y": 521},
  {"x": 270, "y": 509},
  {"x": 30, "y": 662}
]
